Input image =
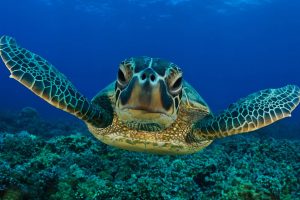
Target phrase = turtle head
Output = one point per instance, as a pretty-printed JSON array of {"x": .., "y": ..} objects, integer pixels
[{"x": 148, "y": 93}]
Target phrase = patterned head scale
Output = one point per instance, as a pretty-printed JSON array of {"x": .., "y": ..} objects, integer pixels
[{"x": 148, "y": 93}]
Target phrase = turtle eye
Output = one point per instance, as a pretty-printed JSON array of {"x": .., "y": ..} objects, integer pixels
[
  {"x": 176, "y": 86},
  {"x": 125, "y": 73},
  {"x": 121, "y": 77}
]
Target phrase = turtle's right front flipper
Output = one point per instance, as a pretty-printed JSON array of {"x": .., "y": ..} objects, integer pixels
[
  {"x": 47, "y": 82},
  {"x": 248, "y": 114}
]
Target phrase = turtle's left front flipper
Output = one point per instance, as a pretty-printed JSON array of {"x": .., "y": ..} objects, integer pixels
[
  {"x": 43, "y": 79},
  {"x": 248, "y": 114}
]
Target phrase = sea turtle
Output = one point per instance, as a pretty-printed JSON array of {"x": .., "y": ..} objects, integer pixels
[{"x": 149, "y": 108}]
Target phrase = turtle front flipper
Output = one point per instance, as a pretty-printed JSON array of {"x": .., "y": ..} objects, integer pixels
[
  {"x": 248, "y": 114},
  {"x": 47, "y": 82}
]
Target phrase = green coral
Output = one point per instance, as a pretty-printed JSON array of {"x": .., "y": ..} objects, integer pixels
[{"x": 79, "y": 167}]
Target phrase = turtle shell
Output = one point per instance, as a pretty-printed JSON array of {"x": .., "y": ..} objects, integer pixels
[{"x": 192, "y": 107}]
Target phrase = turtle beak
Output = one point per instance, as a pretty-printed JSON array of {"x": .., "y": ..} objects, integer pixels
[
  {"x": 147, "y": 93},
  {"x": 145, "y": 103}
]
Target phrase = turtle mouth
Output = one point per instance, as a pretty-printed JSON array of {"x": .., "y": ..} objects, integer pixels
[
  {"x": 143, "y": 115},
  {"x": 141, "y": 118},
  {"x": 144, "y": 126},
  {"x": 144, "y": 110}
]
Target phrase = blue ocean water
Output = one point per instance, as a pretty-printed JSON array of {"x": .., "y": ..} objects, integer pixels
[{"x": 226, "y": 48}]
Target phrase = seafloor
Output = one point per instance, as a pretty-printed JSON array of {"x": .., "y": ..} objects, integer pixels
[{"x": 43, "y": 160}]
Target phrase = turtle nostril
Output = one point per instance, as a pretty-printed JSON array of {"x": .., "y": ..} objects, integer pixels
[
  {"x": 149, "y": 76},
  {"x": 143, "y": 76},
  {"x": 152, "y": 77}
]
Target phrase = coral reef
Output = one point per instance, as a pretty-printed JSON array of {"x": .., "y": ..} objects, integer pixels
[
  {"x": 76, "y": 166},
  {"x": 28, "y": 119}
]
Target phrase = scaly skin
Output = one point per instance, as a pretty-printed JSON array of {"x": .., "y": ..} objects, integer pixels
[
  {"x": 248, "y": 114},
  {"x": 47, "y": 82}
]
